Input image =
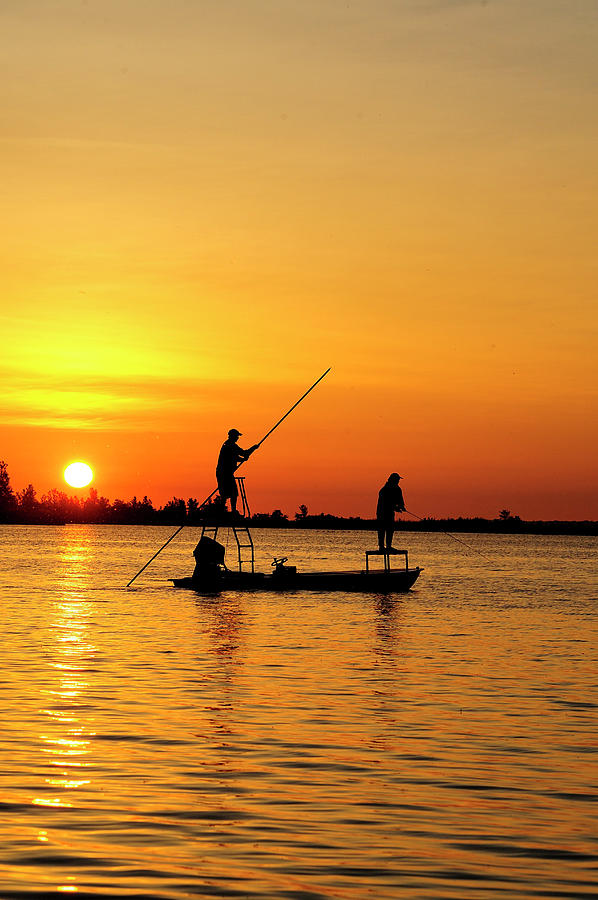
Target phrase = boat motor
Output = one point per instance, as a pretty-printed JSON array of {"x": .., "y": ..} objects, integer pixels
[{"x": 209, "y": 558}]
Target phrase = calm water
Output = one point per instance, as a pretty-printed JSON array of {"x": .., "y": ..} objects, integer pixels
[{"x": 437, "y": 744}]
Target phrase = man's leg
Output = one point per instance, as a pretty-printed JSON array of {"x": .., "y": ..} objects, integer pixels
[
  {"x": 389, "y": 533},
  {"x": 234, "y": 493},
  {"x": 221, "y": 500},
  {"x": 381, "y": 530}
]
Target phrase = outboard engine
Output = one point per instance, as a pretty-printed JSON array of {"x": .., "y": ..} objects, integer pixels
[{"x": 209, "y": 559}]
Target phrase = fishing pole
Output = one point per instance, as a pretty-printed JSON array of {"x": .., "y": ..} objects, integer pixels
[
  {"x": 207, "y": 500},
  {"x": 469, "y": 546}
]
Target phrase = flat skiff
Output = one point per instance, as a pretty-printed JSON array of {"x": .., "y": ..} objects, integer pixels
[{"x": 379, "y": 582}]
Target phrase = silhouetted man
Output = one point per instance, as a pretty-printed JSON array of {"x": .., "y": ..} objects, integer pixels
[
  {"x": 231, "y": 456},
  {"x": 390, "y": 498}
]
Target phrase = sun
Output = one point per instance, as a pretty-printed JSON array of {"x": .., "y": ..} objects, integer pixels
[{"x": 78, "y": 474}]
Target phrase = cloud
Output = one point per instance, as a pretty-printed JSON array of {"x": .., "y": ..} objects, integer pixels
[{"x": 97, "y": 403}]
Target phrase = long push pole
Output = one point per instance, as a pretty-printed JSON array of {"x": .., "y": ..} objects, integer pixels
[
  {"x": 274, "y": 427},
  {"x": 207, "y": 500},
  {"x": 171, "y": 538}
]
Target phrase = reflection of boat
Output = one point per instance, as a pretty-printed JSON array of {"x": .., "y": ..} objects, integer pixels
[{"x": 211, "y": 574}]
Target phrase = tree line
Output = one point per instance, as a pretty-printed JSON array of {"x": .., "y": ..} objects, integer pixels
[{"x": 58, "y": 508}]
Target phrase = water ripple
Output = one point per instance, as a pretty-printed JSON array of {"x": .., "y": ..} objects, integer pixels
[{"x": 440, "y": 744}]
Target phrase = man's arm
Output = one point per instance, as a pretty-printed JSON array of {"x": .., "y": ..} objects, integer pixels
[{"x": 242, "y": 455}]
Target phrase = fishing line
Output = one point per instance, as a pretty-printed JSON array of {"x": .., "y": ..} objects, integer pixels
[{"x": 448, "y": 533}]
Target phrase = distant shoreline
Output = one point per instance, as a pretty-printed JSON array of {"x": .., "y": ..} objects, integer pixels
[
  {"x": 337, "y": 523},
  {"x": 57, "y": 508},
  {"x": 468, "y": 526}
]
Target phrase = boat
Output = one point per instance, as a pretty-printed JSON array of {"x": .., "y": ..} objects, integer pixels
[
  {"x": 380, "y": 582},
  {"x": 211, "y": 574}
]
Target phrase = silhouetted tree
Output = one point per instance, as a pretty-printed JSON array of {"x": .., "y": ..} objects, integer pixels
[
  {"x": 95, "y": 508},
  {"x": 119, "y": 512},
  {"x": 141, "y": 510},
  {"x": 29, "y": 506},
  {"x": 275, "y": 519},
  {"x": 302, "y": 514},
  {"x": 131, "y": 512},
  {"x": 8, "y": 502},
  {"x": 58, "y": 508},
  {"x": 174, "y": 512},
  {"x": 504, "y": 514},
  {"x": 211, "y": 512}
]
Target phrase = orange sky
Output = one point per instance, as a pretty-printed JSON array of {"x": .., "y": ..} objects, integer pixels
[{"x": 209, "y": 204}]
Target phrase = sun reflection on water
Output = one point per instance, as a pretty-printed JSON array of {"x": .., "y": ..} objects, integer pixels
[{"x": 67, "y": 733}]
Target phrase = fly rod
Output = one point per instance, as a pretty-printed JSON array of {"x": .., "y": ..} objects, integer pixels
[
  {"x": 207, "y": 500},
  {"x": 469, "y": 547}
]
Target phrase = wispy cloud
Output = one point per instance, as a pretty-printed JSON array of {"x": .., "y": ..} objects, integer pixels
[
  {"x": 96, "y": 403},
  {"x": 148, "y": 403}
]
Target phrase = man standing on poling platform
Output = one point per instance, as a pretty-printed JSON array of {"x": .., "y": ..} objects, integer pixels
[
  {"x": 230, "y": 458},
  {"x": 390, "y": 498}
]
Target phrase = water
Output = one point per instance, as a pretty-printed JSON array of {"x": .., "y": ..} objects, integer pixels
[{"x": 436, "y": 744}]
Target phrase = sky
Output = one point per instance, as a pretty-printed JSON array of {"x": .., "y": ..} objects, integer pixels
[{"x": 208, "y": 204}]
